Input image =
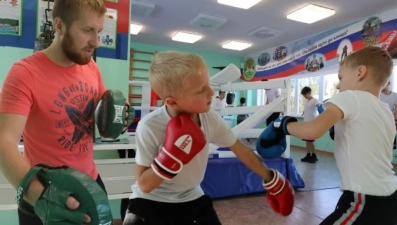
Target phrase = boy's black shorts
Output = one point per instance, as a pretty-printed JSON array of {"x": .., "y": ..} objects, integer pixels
[
  {"x": 359, "y": 209},
  {"x": 147, "y": 212}
]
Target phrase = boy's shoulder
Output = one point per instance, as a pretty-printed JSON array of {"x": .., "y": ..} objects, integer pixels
[{"x": 156, "y": 117}]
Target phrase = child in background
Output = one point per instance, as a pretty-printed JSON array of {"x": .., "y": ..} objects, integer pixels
[{"x": 310, "y": 113}]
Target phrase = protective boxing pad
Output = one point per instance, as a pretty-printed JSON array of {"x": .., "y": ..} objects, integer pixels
[
  {"x": 230, "y": 98},
  {"x": 60, "y": 183},
  {"x": 110, "y": 114}
]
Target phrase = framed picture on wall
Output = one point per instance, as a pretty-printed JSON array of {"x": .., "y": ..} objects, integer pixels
[
  {"x": 108, "y": 35},
  {"x": 44, "y": 14},
  {"x": 11, "y": 17}
]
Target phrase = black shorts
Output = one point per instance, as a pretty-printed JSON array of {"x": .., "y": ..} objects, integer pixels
[
  {"x": 147, "y": 212},
  {"x": 32, "y": 218},
  {"x": 359, "y": 209},
  {"x": 307, "y": 140}
]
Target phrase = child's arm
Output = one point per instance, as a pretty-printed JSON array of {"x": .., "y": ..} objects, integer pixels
[
  {"x": 147, "y": 179},
  {"x": 319, "y": 126},
  {"x": 251, "y": 160},
  {"x": 280, "y": 194},
  {"x": 184, "y": 139}
]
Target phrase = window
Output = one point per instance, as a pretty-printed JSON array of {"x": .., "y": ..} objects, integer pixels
[
  {"x": 330, "y": 83},
  {"x": 292, "y": 94},
  {"x": 314, "y": 84},
  {"x": 323, "y": 87},
  {"x": 261, "y": 96}
]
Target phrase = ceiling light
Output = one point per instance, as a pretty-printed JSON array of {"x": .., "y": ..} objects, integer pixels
[
  {"x": 310, "y": 14},
  {"x": 135, "y": 28},
  {"x": 244, "y": 4},
  {"x": 236, "y": 45},
  {"x": 186, "y": 37}
]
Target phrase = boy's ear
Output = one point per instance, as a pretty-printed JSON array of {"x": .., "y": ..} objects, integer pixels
[
  {"x": 362, "y": 72},
  {"x": 170, "y": 101}
]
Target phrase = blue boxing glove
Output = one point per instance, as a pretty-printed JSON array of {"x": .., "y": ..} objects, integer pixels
[
  {"x": 320, "y": 110},
  {"x": 272, "y": 143}
]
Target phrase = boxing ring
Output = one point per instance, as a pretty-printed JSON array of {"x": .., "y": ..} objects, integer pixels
[{"x": 225, "y": 175}]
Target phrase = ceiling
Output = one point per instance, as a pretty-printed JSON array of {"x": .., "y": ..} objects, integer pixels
[{"x": 170, "y": 16}]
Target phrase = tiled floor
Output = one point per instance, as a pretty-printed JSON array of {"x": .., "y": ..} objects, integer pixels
[{"x": 312, "y": 203}]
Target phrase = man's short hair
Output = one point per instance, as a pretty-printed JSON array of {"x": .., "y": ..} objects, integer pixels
[{"x": 68, "y": 10}]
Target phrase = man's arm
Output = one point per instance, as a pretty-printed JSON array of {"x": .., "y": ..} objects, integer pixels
[
  {"x": 251, "y": 160},
  {"x": 12, "y": 164},
  {"x": 319, "y": 126},
  {"x": 15, "y": 103},
  {"x": 395, "y": 112}
]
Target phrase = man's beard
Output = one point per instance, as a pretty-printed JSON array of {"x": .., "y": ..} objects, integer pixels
[{"x": 71, "y": 53}]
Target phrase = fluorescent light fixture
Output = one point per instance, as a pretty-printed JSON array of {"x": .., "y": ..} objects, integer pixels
[
  {"x": 244, "y": 4},
  {"x": 310, "y": 14},
  {"x": 135, "y": 28},
  {"x": 186, "y": 37},
  {"x": 236, "y": 45}
]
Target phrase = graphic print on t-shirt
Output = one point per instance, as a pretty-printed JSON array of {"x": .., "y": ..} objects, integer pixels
[{"x": 73, "y": 108}]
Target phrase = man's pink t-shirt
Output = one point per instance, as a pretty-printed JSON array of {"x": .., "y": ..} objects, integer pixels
[{"x": 59, "y": 103}]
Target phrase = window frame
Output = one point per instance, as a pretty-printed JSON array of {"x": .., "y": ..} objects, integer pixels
[{"x": 294, "y": 80}]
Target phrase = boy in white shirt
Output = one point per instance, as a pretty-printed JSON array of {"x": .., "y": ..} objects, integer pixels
[
  {"x": 310, "y": 113},
  {"x": 173, "y": 148},
  {"x": 364, "y": 132}
]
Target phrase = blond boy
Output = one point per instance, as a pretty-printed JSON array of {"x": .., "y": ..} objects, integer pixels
[{"x": 172, "y": 152}]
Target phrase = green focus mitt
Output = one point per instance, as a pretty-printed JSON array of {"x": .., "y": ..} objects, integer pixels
[
  {"x": 110, "y": 114},
  {"x": 60, "y": 183}
]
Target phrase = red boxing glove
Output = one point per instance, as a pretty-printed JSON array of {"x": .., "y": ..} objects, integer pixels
[
  {"x": 280, "y": 194},
  {"x": 184, "y": 139}
]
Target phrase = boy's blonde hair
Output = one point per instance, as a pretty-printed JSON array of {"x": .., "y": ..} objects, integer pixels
[
  {"x": 68, "y": 10},
  {"x": 378, "y": 62},
  {"x": 169, "y": 70}
]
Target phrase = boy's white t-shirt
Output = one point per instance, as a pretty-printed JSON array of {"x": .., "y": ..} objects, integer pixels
[
  {"x": 184, "y": 187},
  {"x": 272, "y": 94},
  {"x": 363, "y": 143},
  {"x": 310, "y": 111},
  {"x": 390, "y": 99}
]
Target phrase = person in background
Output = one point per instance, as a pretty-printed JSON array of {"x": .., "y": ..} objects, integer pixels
[
  {"x": 242, "y": 117},
  {"x": 271, "y": 95},
  {"x": 390, "y": 97},
  {"x": 310, "y": 113},
  {"x": 219, "y": 102}
]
